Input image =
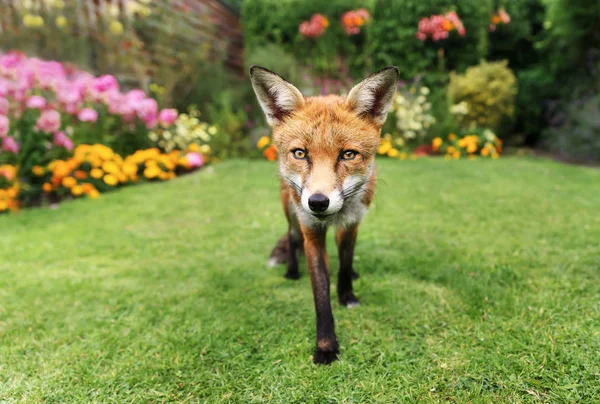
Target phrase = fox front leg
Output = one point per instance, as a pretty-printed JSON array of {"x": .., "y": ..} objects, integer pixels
[{"x": 316, "y": 257}]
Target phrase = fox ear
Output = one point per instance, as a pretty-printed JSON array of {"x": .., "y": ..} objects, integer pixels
[
  {"x": 372, "y": 98},
  {"x": 277, "y": 97}
]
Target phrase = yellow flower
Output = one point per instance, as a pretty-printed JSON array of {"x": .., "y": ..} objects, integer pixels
[
  {"x": 263, "y": 142},
  {"x": 94, "y": 193},
  {"x": 437, "y": 142},
  {"x": 462, "y": 143},
  {"x": 402, "y": 156},
  {"x": 384, "y": 147},
  {"x": 111, "y": 180},
  {"x": 105, "y": 152},
  {"x": 61, "y": 21},
  {"x": 472, "y": 157},
  {"x": 129, "y": 169},
  {"x": 451, "y": 137},
  {"x": 3, "y": 206},
  {"x": 472, "y": 147},
  {"x": 495, "y": 155},
  {"x": 115, "y": 27},
  {"x": 152, "y": 171},
  {"x": 485, "y": 152},
  {"x": 451, "y": 149},
  {"x": 77, "y": 190},
  {"x": 456, "y": 154},
  {"x": 38, "y": 171},
  {"x": 12, "y": 192},
  {"x": 393, "y": 152},
  {"x": 69, "y": 182},
  {"x": 110, "y": 167},
  {"x": 97, "y": 173}
]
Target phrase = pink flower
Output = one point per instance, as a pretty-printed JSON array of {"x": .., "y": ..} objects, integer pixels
[
  {"x": 3, "y": 106},
  {"x": 9, "y": 145},
  {"x": 87, "y": 115},
  {"x": 4, "y": 84},
  {"x": 4, "y": 123},
  {"x": 105, "y": 83},
  {"x": 315, "y": 27},
  {"x": 421, "y": 36},
  {"x": 147, "y": 111},
  {"x": 167, "y": 117},
  {"x": 49, "y": 121},
  {"x": 68, "y": 94},
  {"x": 62, "y": 140},
  {"x": 504, "y": 16},
  {"x": 36, "y": 102},
  {"x": 195, "y": 160}
]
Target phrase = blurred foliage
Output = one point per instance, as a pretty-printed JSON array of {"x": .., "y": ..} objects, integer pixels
[
  {"x": 577, "y": 133},
  {"x": 486, "y": 91},
  {"x": 391, "y": 36},
  {"x": 277, "y": 22}
]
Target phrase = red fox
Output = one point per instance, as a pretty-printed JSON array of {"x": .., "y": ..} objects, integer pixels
[{"x": 326, "y": 148}]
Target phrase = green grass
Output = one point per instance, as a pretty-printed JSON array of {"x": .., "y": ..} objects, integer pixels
[{"x": 480, "y": 282}]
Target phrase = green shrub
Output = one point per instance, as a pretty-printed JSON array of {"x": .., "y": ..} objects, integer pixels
[
  {"x": 388, "y": 39},
  {"x": 516, "y": 41},
  {"x": 277, "y": 21},
  {"x": 391, "y": 37},
  {"x": 577, "y": 137},
  {"x": 488, "y": 90}
]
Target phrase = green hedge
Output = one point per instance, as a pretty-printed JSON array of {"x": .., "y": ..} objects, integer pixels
[
  {"x": 388, "y": 39},
  {"x": 391, "y": 38}
]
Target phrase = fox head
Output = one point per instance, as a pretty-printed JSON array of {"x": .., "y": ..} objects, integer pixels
[{"x": 326, "y": 145}]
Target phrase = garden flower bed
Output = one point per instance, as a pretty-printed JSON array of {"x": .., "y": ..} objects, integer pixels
[{"x": 65, "y": 132}]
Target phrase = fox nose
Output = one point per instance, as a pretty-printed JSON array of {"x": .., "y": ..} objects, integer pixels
[{"x": 318, "y": 202}]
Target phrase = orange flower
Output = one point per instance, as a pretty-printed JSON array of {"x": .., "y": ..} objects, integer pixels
[
  {"x": 69, "y": 182},
  {"x": 47, "y": 187},
  {"x": 12, "y": 192},
  {"x": 451, "y": 137},
  {"x": 447, "y": 26},
  {"x": 80, "y": 175},
  {"x": 97, "y": 173},
  {"x": 270, "y": 153},
  {"x": 496, "y": 20},
  {"x": 87, "y": 187}
]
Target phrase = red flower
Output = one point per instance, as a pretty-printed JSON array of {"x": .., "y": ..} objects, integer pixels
[
  {"x": 315, "y": 27},
  {"x": 353, "y": 20}
]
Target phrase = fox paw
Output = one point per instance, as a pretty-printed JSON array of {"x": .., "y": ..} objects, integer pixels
[
  {"x": 292, "y": 275},
  {"x": 349, "y": 300},
  {"x": 324, "y": 358}
]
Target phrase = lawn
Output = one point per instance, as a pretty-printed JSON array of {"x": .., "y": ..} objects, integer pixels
[{"x": 480, "y": 282}]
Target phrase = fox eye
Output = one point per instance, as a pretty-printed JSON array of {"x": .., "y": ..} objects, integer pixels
[
  {"x": 299, "y": 154},
  {"x": 348, "y": 155}
]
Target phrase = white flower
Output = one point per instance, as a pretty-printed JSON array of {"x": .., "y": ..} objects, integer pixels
[{"x": 424, "y": 90}]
